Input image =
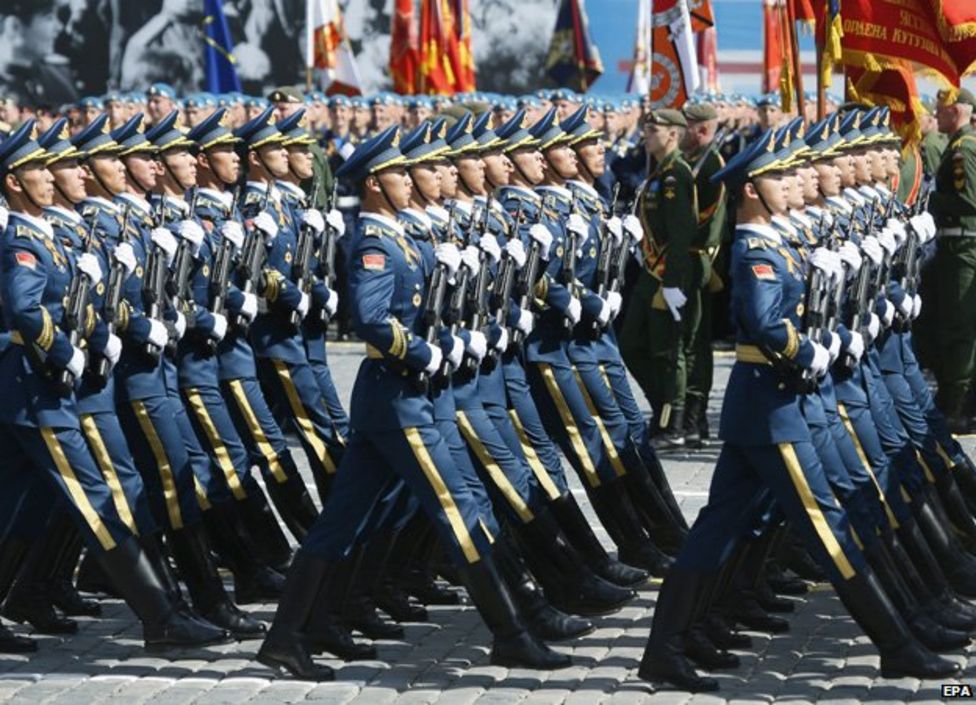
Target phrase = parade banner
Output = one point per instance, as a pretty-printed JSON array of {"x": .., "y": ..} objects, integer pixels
[
  {"x": 640, "y": 73},
  {"x": 772, "y": 45},
  {"x": 674, "y": 64},
  {"x": 573, "y": 59},
  {"x": 404, "y": 47},
  {"x": 328, "y": 49},
  {"x": 221, "y": 64}
]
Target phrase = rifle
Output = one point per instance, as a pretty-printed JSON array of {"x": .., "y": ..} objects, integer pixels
[
  {"x": 301, "y": 269},
  {"x": 501, "y": 292},
  {"x": 76, "y": 309},
  {"x": 178, "y": 284},
  {"x": 220, "y": 276},
  {"x": 603, "y": 266},
  {"x": 154, "y": 284},
  {"x": 567, "y": 269},
  {"x": 478, "y": 294},
  {"x": 453, "y": 317},
  {"x": 817, "y": 305},
  {"x": 862, "y": 291},
  {"x": 251, "y": 261},
  {"x": 327, "y": 252},
  {"x": 432, "y": 319},
  {"x": 113, "y": 299},
  {"x": 527, "y": 280}
]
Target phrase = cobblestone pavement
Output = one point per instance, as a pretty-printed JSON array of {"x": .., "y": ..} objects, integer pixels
[{"x": 823, "y": 658}]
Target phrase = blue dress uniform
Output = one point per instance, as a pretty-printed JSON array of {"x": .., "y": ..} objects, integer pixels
[{"x": 278, "y": 345}]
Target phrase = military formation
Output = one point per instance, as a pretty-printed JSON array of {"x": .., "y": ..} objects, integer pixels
[{"x": 168, "y": 278}]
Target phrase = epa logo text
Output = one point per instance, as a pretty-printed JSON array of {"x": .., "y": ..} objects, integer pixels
[{"x": 956, "y": 690}]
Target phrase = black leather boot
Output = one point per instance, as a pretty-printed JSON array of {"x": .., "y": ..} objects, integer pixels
[
  {"x": 793, "y": 554},
  {"x": 262, "y": 530},
  {"x": 567, "y": 581},
  {"x": 254, "y": 580},
  {"x": 613, "y": 506},
  {"x": 542, "y": 619},
  {"x": 12, "y": 552},
  {"x": 740, "y": 599},
  {"x": 323, "y": 628},
  {"x": 412, "y": 570},
  {"x": 388, "y": 593},
  {"x": 358, "y": 608},
  {"x": 700, "y": 648},
  {"x": 664, "y": 658},
  {"x": 933, "y": 635},
  {"x": 654, "y": 512},
  {"x": 901, "y": 653},
  {"x": 958, "y": 566},
  {"x": 721, "y": 633},
  {"x": 660, "y": 479},
  {"x": 92, "y": 579},
  {"x": 61, "y": 589},
  {"x": 291, "y": 499},
  {"x": 954, "y": 507},
  {"x": 694, "y": 408},
  {"x": 580, "y": 534},
  {"x": 965, "y": 475},
  {"x": 163, "y": 626},
  {"x": 284, "y": 647},
  {"x": 11, "y": 643},
  {"x": 27, "y": 599},
  {"x": 514, "y": 645},
  {"x": 672, "y": 433},
  {"x": 191, "y": 551}
]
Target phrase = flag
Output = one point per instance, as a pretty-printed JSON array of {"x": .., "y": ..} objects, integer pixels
[
  {"x": 674, "y": 70},
  {"x": 221, "y": 66},
  {"x": 830, "y": 30},
  {"x": 895, "y": 87},
  {"x": 437, "y": 69},
  {"x": 956, "y": 24},
  {"x": 462, "y": 23},
  {"x": 640, "y": 73},
  {"x": 328, "y": 50},
  {"x": 573, "y": 59},
  {"x": 702, "y": 16},
  {"x": 803, "y": 12},
  {"x": 404, "y": 48},
  {"x": 708, "y": 58},
  {"x": 451, "y": 43},
  {"x": 772, "y": 46},
  {"x": 788, "y": 76}
]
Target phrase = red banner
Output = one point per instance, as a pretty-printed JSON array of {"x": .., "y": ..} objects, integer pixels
[
  {"x": 894, "y": 87},
  {"x": 772, "y": 46},
  {"x": 404, "y": 48},
  {"x": 462, "y": 23},
  {"x": 702, "y": 16}
]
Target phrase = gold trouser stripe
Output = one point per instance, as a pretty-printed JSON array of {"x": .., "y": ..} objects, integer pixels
[
  {"x": 162, "y": 464},
  {"x": 532, "y": 458},
  {"x": 857, "y": 539},
  {"x": 257, "y": 433},
  {"x": 606, "y": 378},
  {"x": 494, "y": 471},
  {"x": 814, "y": 512},
  {"x": 202, "y": 500},
  {"x": 220, "y": 450},
  {"x": 447, "y": 503},
  {"x": 301, "y": 415},
  {"x": 905, "y": 496},
  {"x": 925, "y": 467},
  {"x": 488, "y": 534},
  {"x": 105, "y": 464},
  {"x": 589, "y": 469},
  {"x": 615, "y": 461},
  {"x": 846, "y": 420},
  {"x": 945, "y": 456},
  {"x": 77, "y": 492}
]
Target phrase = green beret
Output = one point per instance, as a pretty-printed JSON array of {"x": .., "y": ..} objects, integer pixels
[
  {"x": 965, "y": 97},
  {"x": 699, "y": 112},
  {"x": 286, "y": 94},
  {"x": 666, "y": 116}
]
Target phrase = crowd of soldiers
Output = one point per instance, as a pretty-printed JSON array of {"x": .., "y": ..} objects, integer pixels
[{"x": 168, "y": 277}]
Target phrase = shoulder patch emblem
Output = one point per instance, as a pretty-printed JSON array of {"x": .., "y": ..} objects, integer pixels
[
  {"x": 764, "y": 271},
  {"x": 26, "y": 259},
  {"x": 374, "y": 262}
]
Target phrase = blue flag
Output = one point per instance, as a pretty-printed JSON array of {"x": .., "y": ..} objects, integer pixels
[
  {"x": 221, "y": 66},
  {"x": 573, "y": 59}
]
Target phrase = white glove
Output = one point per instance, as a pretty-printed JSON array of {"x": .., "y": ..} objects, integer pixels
[
  {"x": 126, "y": 256},
  {"x": 906, "y": 307},
  {"x": 232, "y": 231},
  {"x": 856, "y": 348},
  {"x": 113, "y": 349},
  {"x": 265, "y": 222},
  {"x": 332, "y": 303},
  {"x": 929, "y": 225},
  {"x": 477, "y": 345},
  {"x": 889, "y": 313},
  {"x": 850, "y": 256},
  {"x": 89, "y": 265},
  {"x": 920, "y": 224},
  {"x": 516, "y": 250},
  {"x": 435, "y": 359},
  {"x": 616, "y": 301},
  {"x": 164, "y": 240},
  {"x": 888, "y": 241},
  {"x": 471, "y": 259},
  {"x": 821, "y": 359},
  {"x": 179, "y": 326},
  {"x": 576, "y": 224},
  {"x": 501, "y": 345},
  {"x": 872, "y": 248},
  {"x": 541, "y": 234},
  {"x": 874, "y": 326},
  {"x": 336, "y": 222},
  {"x": 4, "y": 214},
  {"x": 302, "y": 307},
  {"x": 158, "y": 335},
  {"x": 447, "y": 254},
  {"x": 616, "y": 228},
  {"x": 897, "y": 229},
  {"x": 489, "y": 245},
  {"x": 574, "y": 310},
  {"x": 916, "y": 306},
  {"x": 632, "y": 226},
  {"x": 457, "y": 352},
  {"x": 603, "y": 317},
  {"x": 313, "y": 219},
  {"x": 76, "y": 365},
  {"x": 526, "y": 321},
  {"x": 219, "y": 328},
  {"x": 825, "y": 260},
  {"x": 834, "y": 348},
  {"x": 675, "y": 299},
  {"x": 249, "y": 307},
  {"x": 191, "y": 231}
]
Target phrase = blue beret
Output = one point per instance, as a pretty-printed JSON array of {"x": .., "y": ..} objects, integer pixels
[
  {"x": 162, "y": 89},
  {"x": 91, "y": 101}
]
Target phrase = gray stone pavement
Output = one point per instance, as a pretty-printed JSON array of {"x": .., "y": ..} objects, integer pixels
[{"x": 823, "y": 658}]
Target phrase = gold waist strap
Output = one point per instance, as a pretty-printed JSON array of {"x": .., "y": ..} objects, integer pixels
[{"x": 752, "y": 354}]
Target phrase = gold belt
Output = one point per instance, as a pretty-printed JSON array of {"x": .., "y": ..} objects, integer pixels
[
  {"x": 751, "y": 354},
  {"x": 373, "y": 352}
]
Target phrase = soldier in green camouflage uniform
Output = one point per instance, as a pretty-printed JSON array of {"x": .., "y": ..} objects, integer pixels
[{"x": 664, "y": 309}]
